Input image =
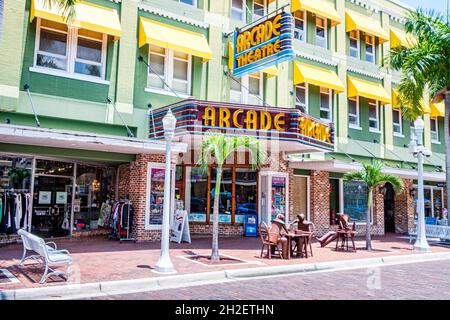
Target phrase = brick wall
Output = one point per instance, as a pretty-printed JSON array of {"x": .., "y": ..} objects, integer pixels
[
  {"x": 404, "y": 209},
  {"x": 224, "y": 229},
  {"x": 377, "y": 227},
  {"x": 320, "y": 201}
]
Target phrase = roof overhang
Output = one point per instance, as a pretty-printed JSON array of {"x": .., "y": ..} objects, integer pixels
[
  {"x": 25, "y": 135},
  {"x": 344, "y": 167},
  {"x": 281, "y": 129}
]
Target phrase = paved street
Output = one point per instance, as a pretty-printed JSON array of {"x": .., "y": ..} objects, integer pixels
[{"x": 427, "y": 280}]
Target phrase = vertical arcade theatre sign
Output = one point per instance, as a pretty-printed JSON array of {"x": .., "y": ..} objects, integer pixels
[{"x": 256, "y": 47}]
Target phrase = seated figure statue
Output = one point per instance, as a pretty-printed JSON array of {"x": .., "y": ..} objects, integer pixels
[{"x": 332, "y": 235}]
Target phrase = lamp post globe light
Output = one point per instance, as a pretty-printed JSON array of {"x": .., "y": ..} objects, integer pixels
[
  {"x": 418, "y": 150},
  {"x": 164, "y": 264}
]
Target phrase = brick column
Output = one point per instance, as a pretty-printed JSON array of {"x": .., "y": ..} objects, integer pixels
[
  {"x": 377, "y": 227},
  {"x": 320, "y": 201},
  {"x": 404, "y": 209}
]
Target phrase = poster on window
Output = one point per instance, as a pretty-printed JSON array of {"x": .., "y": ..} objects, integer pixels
[
  {"x": 45, "y": 197},
  {"x": 179, "y": 230},
  {"x": 61, "y": 197}
]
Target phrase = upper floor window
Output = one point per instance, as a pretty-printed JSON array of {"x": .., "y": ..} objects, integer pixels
[
  {"x": 259, "y": 9},
  {"x": 412, "y": 131},
  {"x": 70, "y": 50},
  {"x": 353, "y": 113},
  {"x": 238, "y": 10},
  {"x": 247, "y": 89},
  {"x": 354, "y": 43},
  {"x": 374, "y": 116},
  {"x": 434, "y": 129},
  {"x": 300, "y": 25},
  {"x": 171, "y": 66},
  {"x": 370, "y": 48},
  {"x": 397, "y": 122},
  {"x": 301, "y": 97},
  {"x": 321, "y": 32},
  {"x": 190, "y": 2},
  {"x": 325, "y": 104}
]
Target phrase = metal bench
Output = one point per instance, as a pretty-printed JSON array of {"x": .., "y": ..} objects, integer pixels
[
  {"x": 433, "y": 231},
  {"x": 45, "y": 253}
]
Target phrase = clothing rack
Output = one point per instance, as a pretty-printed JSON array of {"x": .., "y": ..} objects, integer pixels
[
  {"x": 118, "y": 232},
  {"x": 128, "y": 203}
]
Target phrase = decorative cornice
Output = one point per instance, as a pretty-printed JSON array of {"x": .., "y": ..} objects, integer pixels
[
  {"x": 365, "y": 5},
  {"x": 366, "y": 73},
  {"x": 314, "y": 58},
  {"x": 173, "y": 16}
]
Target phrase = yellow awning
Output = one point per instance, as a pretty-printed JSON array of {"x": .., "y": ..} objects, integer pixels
[
  {"x": 87, "y": 16},
  {"x": 396, "y": 105},
  {"x": 170, "y": 37},
  {"x": 401, "y": 38},
  {"x": 356, "y": 21},
  {"x": 437, "y": 109},
  {"x": 367, "y": 89},
  {"x": 319, "y": 7},
  {"x": 271, "y": 71},
  {"x": 317, "y": 76}
]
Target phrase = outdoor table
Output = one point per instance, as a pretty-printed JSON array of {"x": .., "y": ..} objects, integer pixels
[
  {"x": 302, "y": 238},
  {"x": 344, "y": 235}
]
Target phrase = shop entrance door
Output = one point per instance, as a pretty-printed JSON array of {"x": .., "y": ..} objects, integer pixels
[
  {"x": 389, "y": 216},
  {"x": 52, "y": 206}
]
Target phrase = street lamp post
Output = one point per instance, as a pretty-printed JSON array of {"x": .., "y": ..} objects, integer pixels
[
  {"x": 419, "y": 151},
  {"x": 164, "y": 264}
]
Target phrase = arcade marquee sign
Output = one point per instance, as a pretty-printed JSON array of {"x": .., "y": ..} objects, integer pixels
[
  {"x": 256, "y": 47},
  {"x": 284, "y": 124}
]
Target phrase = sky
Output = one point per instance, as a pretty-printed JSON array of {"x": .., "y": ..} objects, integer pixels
[{"x": 440, "y": 5}]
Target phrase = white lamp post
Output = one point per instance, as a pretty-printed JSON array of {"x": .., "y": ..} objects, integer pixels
[
  {"x": 418, "y": 150},
  {"x": 164, "y": 264}
]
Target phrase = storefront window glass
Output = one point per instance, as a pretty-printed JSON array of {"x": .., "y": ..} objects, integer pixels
[
  {"x": 245, "y": 193},
  {"x": 198, "y": 193},
  {"x": 355, "y": 200},
  {"x": 15, "y": 173},
  {"x": 278, "y": 197},
  {"x": 432, "y": 201},
  {"x": 225, "y": 194},
  {"x": 56, "y": 168},
  {"x": 156, "y": 196}
]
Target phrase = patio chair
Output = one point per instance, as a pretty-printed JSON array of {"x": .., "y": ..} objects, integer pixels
[
  {"x": 270, "y": 240},
  {"x": 346, "y": 232}
]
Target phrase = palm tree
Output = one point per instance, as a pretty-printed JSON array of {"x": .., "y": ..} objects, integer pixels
[
  {"x": 371, "y": 174},
  {"x": 425, "y": 67},
  {"x": 221, "y": 147},
  {"x": 67, "y": 7}
]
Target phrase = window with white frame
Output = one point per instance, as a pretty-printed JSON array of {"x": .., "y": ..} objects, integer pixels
[
  {"x": 301, "y": 97},
  {"x": 354, "y": 43},
  {"x": 247, "y": 89},
  {"x": 259, "y": 9},
  {"x": 321, "y": 32},
  {"x": 238, "y": 10},
  {"x": 412, "y": 131},
  {"x": 300, "y": 25},
  {"x": 326, "y": 104},
  {"x": 374, "y": 116},
  {"x": 434, "y": 129},
  {"x": 171, "y": 66},
  {"x": 370, "y": 48},
  {"x": 353, "y": 112},
  {"x": 397, "y": 121},
  {"x": 189, "y": 2},
  {"x": 70, "y": 50}
]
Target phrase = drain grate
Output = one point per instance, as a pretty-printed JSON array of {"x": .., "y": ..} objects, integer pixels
[{"x": 7, "y": 277}]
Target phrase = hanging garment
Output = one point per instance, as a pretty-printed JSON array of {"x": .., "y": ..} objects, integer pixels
[
  {"x": 66, "y": 225},
  {"x": 1, "y": 208},
  {"x": 17, "y": 210},
  {"x": 104, "y": 211},
  {"x": 27, "y": 214}
]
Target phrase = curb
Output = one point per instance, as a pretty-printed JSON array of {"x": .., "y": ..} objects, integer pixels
[{"x": 185, "y": 280}]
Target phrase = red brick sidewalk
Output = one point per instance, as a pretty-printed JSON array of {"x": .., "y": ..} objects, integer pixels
[{"x": 103, "y": 260}]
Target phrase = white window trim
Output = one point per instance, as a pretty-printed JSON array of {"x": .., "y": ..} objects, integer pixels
[
  {"x": 373, "y": 45},
  {"x": 255, "y": 17},
  {"x": 325, "y": 26},
  {"x": 398, "y": 134},
  {"x": 71, "y": 52},
  {"x": 377, "y": 109},
  {"x": 169, "y": 59},
  {"x": 434, "y": 141},
  {"x": 358, "y": 125},
  {"x": 357, "y": 44},
  {"x": 150, "y": 166},
  {"x": 306, "y": 86},
  {"x": 245, "y": 88},
  {"x": 240, "y": 10},
  {"x": 330, "y": 104},
  {"x": 305, "y": 26}
]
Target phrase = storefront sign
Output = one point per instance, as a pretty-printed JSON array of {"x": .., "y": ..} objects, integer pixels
[
  {"x": 283, "y": 124},
  {"x": 260, "y": 46}
]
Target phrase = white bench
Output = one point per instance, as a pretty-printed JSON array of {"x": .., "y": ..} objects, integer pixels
[
  {"x": 47, "y": 254},
  {"x": 433, "y": 231}
]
